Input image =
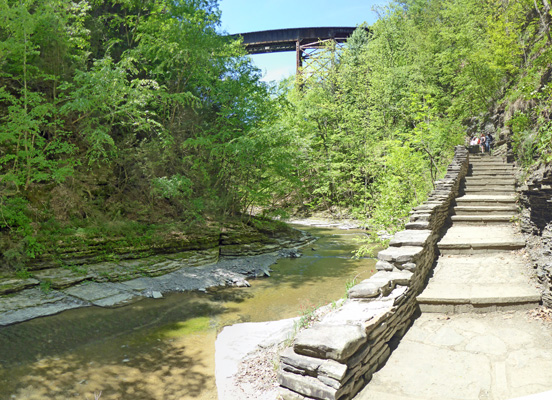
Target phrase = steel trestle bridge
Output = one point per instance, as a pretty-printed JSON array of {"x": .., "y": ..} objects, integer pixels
[{"x": 300, "y": 40}]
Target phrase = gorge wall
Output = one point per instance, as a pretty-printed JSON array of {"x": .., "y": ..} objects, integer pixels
[{"x": 535, "y": 197}]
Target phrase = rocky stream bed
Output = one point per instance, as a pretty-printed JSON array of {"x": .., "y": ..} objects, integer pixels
[{"x": 228, "y": 262}]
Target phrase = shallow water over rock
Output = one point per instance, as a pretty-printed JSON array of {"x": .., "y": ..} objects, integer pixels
[{"x": 164, "y": 349}]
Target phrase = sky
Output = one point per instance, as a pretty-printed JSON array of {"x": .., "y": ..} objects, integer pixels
[{"x": 240, "y": 16}]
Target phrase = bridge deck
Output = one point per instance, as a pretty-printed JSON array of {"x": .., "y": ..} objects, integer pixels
[{"x": 277, "y": 40}]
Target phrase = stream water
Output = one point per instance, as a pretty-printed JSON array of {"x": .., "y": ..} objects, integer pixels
[{"x": 165, "y": 349}]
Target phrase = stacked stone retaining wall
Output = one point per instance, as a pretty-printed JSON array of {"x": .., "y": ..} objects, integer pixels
[{"x": 336, "y": 357}]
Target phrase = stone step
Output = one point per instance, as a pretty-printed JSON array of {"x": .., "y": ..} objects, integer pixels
[
  {"x": 489, "y": 191},
  {"x": 473, "y": 199},
  {"x": 454, "y": 298},
  {"x": 483, "y": 179},
  {"x": 491, "y": 173},
  {"x": 461, "y": 239},
  {"x": 485, "y": 200},
  {"x": 486, "y": 181},
  {"x": 493, "y": 167},
  {"x": 482, "y": 219},
  {"x": 470, "y": 248},
  {"x": 490, "y": 162},
  {"x": 486, "y": 210},
  {"x": 479, "y": 283},
  {"x": 486, "y": 158},
  {"x": 490, "y": 180},
  {"x": 489, "y": 185},
  {"x": 510, "y": 189}
]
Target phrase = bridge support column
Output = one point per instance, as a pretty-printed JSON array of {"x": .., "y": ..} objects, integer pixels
[{"x": 298, "y": 57}]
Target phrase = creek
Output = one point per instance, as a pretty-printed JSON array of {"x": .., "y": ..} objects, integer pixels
[{"x": 165, "y": 349}]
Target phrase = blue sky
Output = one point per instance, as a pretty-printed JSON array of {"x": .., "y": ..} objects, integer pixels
[{"x": 239, "y": 16}]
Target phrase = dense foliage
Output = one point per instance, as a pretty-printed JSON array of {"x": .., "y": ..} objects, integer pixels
[
  {"x": 379, "y": 122},
  {"x": 141, "y": 111},
  {"x": 125, "y": 110}
]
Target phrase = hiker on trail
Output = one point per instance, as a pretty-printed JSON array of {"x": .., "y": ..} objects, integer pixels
[
  {"x": 474, "y": 141},
  {"x": 482, "y": 143},
  {"x": 488, "y": 142}
]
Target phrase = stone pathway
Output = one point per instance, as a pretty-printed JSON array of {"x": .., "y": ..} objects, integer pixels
[
  {"x": 485, "y": 346},
  {"x": 484, "y": 356}
]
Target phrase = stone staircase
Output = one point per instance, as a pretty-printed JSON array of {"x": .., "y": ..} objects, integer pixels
[
  {"x": 480, "y": 268},
  {"x": 474, "y": 352}
]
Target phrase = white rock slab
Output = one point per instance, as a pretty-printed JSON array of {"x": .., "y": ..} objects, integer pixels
[{"x": 236, "y": 342}]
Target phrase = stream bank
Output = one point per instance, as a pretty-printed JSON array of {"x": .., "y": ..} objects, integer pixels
[
  {"x": 226, "y": 261},
  {"x": 165, "y": 348}
]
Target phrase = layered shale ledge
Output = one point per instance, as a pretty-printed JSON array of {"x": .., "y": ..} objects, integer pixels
[
  {"x": 113, "y": 260},
  {"x": 336, "y": 357}
]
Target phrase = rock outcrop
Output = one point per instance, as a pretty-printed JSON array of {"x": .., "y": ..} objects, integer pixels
[
  {"x": 115, "y": 283},
  {"x": 536, "y": 221},
  {"x": 80, "y": 265}
]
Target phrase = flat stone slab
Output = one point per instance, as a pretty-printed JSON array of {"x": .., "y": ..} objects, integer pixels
[
  {"x": 358, "y": 313},
  {"x": 481, "y": 198},
  {"x": 335, "y": 342},
  {"x": 468, "y": 238},
  {"x": 392, "y": 278},
  {"x": 25, "y": 305},
  {"x": 480, "y": 280},
  {"x": 103, "y": 294},
  {"x": 501, "y": 268},
  {"x": 381, "y": 283},
  {"x": 537, "y": 396},
  {"x": 499, "y": 355},
  {"x": 62, "y": 277},
  {"x": 415, "y": 225},
  {"x": 32, "y": 303},
  {"x": 483, "y": 218},
  {"x": 365, "y": 290},
  {"x": 481, "y": 186},
  {"x": 401, "y": 254},
  {"x": 410, "y": 238},
  {"x": 485, "y": 168},
  {"x": 479, "y": 295},
  {"x": 492, "y": 172},
  {"x": 490, "y": 180},
  {"x": 238, "y": 342},
  {"x": 313, "y": 366},
  {"x": 486, "y": 210},
  {"x": 10, "y": 285}
]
